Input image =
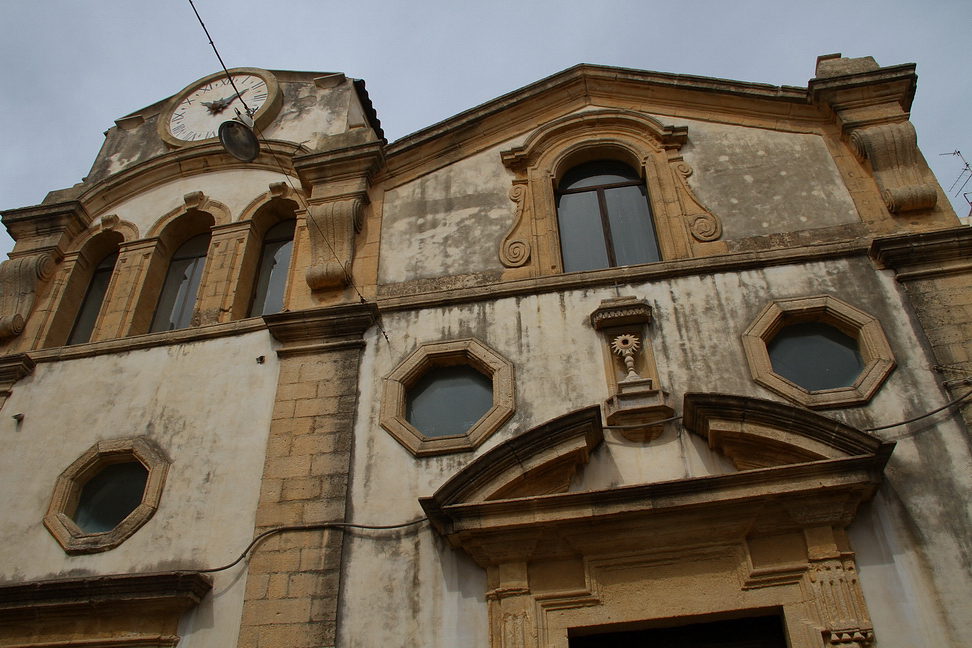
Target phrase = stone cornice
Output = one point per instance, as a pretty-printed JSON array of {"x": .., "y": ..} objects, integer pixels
[
  {"x": 178, "y": 590},
  {"x": 579, "y": 76},
  {"x": 149, "y": 340},
  {"x": 925, "y": 252},
  {"x": 895, "y": 83},
  {"x": 671, "y": 514},
  {"x": 48, "y": 228},
  {"x": 478, "y": 288},
  {"x": 331, "y": 323}
]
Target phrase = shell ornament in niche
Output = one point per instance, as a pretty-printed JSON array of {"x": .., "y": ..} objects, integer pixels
[{"x": 625, "y": 345}]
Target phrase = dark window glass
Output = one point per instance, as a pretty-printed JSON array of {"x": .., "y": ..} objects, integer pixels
[
  {"x": 91, "y": 306},
  {"x": 447, "y": 401},
  {"x": 759, "y": 632},
  {"x": 604, "y": 217},
  {"x": 815, "y": 356},
  {"x": 178, "y": 298},
  {"x": 110, "y": 496},
  {"x": 271, "y": 280}
]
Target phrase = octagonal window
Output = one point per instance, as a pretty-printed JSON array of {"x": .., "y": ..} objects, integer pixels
[
  {"x": 107, "y": 494},
  {"x": 818, "y": 351},
  {"x": 448, "y": 401},
  {"x": 110, "y": 496},
  {"x": 815, "y": 356},
  {"x": 447, "y": 397}
]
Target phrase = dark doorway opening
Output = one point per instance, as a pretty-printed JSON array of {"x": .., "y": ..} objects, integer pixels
[{"x": 753, "y": 632}]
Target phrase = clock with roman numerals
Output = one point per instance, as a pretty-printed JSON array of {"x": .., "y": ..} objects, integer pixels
[{"x": 194, "y": 115}]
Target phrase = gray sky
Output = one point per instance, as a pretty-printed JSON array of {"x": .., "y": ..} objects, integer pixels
[{"x": 68, "y": 69}]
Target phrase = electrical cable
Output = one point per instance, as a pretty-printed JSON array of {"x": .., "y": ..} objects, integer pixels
[
  {"x": 925, "y": 415},
  {"x": 320, "y": 526},
  {"x": 300, "y": 197}
]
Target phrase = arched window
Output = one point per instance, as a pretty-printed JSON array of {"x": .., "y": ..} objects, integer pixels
[
  {"x": 178, "y": 298},
  {"x": 271, "y": 283},
  {"x": 604, "y": 217},
  {"x": 91, "y": 306}
]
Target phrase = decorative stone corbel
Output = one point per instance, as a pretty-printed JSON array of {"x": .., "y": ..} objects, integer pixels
[
  {"x": 20, "y": 280},
  {"x": 339, "y": 180},
  {"x": 893, "y": 152},
  {"x": 638, "y": 406},
  {"x": 331, "y": 227}
]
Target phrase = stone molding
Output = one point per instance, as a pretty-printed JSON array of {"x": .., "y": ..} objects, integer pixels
[
  {"x": 755, "y": 433},
  {"x": 469, "y": 351},
  {"x": 176, "y": 589},
  {"x": 682, "y": 222},
  {"x": 330, "y": 323},
  {"x": 339, "y": 181},
  {"x": 864, "y": 328},
  {"x": 45, "y": 228},
  {"x": 59, "y": 519},
  {"x": 13, "y": 368},
  {"x": 181, "y": 163},
  {"x": 892, "y": 150},
  {"x": 473, "y": 288},
  {"x": 925, "y": 254}
]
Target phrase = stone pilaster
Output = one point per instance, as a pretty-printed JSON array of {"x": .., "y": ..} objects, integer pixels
[{"x": 294, "y": 577}]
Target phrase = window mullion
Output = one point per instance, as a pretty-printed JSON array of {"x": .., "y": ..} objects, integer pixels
[{"x": 606, "y": 228}]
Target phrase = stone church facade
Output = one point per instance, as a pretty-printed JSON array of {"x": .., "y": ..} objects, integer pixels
[{"x": 618, "y": 357}]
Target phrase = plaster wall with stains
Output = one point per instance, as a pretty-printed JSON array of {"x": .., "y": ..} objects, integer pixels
[
  {"x": 207, "y": 404},
  {"x": 695, "y": 335},
  {"x": 759, "y": 182}
]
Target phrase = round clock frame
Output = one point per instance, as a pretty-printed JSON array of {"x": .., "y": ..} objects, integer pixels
[{"x": 193, "y": 116}]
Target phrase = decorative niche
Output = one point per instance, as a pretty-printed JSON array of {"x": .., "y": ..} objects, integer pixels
[
  {"x": 107, "y": 495},
  {"x": 818, "y": 351},
  {"x": 447, "y": 397},
  {"x": 638, "y": 405}
]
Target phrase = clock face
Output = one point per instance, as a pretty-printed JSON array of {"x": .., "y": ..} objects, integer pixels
[{"x": 202, "y": 107}]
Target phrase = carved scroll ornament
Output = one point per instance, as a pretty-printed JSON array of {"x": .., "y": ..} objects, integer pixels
[
  {"x": 514, "y": 252},
  {"x": 896, "y": 162},
  {"x": 703, "y": 224},
  {"x": 331, "y": 227},
  {"x": 20, "y": 280}
]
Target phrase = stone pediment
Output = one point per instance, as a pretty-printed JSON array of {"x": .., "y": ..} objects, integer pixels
[
  {"x": 797, "y": 469},
  {"x": 756, "y": 433}
]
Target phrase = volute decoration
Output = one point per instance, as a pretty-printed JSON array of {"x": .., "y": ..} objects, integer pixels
[
  {"x": 893, "y": 152},
  {"x": 703, "y": 224},
  {"x": 515, "y": 252},
  {"x": 20, "y": 281}
]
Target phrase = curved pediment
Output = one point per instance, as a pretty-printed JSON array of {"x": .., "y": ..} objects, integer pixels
[
  {"x": 537, "y": 462},
  {"x": 757, "y": 433}
]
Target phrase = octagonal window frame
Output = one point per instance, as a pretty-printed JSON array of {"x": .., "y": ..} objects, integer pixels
[
  {"x": 872, "y": 345},
  {"x": 468, "y": 351},
  {"x": 59, "y": 519}
]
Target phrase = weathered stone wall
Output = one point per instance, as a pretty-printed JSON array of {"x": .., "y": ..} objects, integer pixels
[
  {"x": 208, "y": 404},
  {"x": 696, "y": 333}
]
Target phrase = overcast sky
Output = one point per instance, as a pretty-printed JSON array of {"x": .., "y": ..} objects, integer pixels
[{"x": 68, "y": 69}]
